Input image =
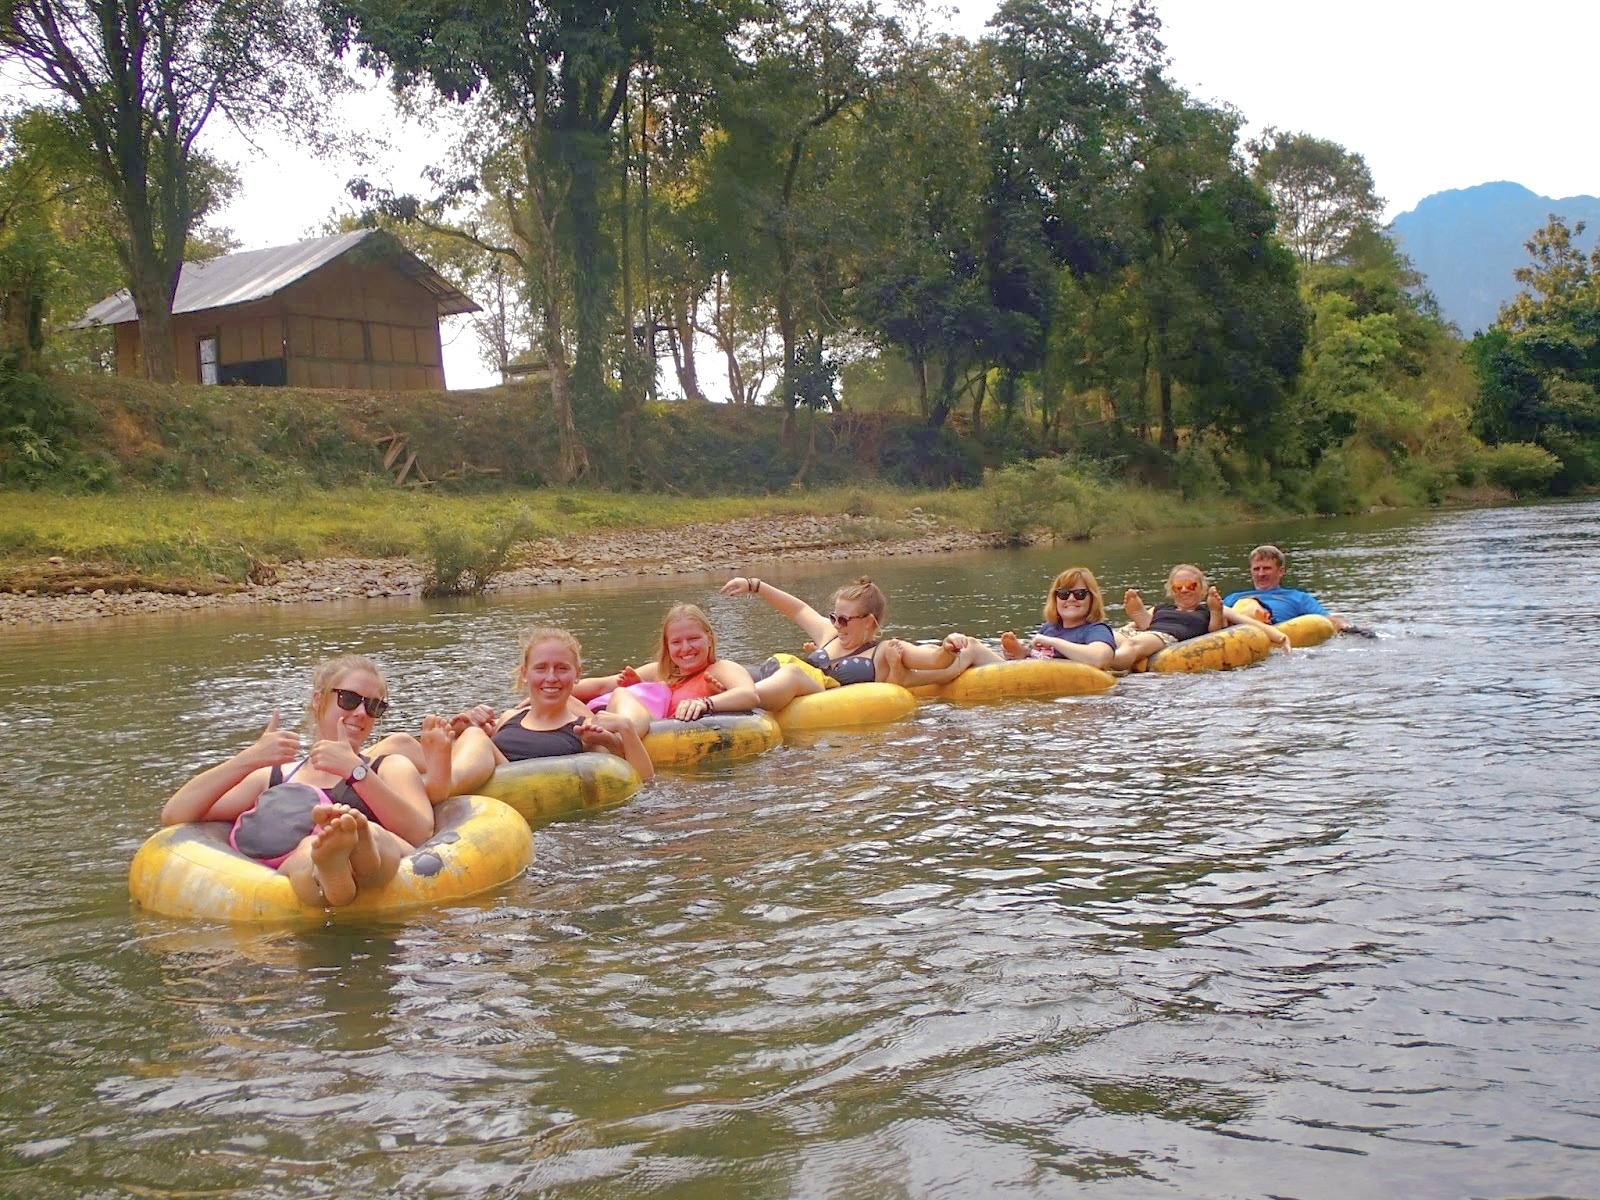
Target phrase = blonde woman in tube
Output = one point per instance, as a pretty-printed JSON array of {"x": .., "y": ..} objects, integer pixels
[
  {"x": 335, "y": 821},
  {"x": 850, "y": 645},
  {"x": 687, "y": 680},
  {"x": 549, "y": 721},
  {"x": 1179, "y": 618}
]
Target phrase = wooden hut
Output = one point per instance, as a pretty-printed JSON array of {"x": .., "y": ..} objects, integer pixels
[{"x": 357, "y": 310}]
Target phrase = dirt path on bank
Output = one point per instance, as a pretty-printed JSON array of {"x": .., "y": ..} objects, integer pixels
[{"x": 549, "y": 562}]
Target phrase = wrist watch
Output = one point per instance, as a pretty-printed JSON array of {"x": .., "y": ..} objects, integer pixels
[{"x": 357, "y": 773}]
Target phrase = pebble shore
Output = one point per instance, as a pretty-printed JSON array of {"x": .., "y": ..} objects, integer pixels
[{"x": 548, "y": 562}]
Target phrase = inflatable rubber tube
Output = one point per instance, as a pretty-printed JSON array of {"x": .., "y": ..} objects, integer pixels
[
  {"x": 190, "y": 871},
  {"x": 1024, "y": 678},
  {"x": 855, "y": 704},
  {"x": 542, "y": 789},
  {"x": 725, "y": 737},
  {"x": 1309, "y": 630},
  {"x": 1235, "y": 646}
]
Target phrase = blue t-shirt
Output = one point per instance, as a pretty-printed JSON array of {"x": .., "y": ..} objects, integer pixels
[
  {"x": 1283, "y": 603},
  {"x": 1086, "y": 634}
]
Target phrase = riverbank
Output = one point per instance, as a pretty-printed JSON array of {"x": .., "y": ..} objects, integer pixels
[{"x": 728, "y": 545}]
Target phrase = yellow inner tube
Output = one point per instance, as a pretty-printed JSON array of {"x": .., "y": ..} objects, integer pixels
[
  {"x": 1024, "y": 678},
  {"x": 1309, "y": 630},
  {"x": 542, "y": 789},
  {"x": 725, "y": 737},
  {"x": 190, "y": 871},
  {"x": 856, "y": 704},
  {"x": 1235, "y": 646}
]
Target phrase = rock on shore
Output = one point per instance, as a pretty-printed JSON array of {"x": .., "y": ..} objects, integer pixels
[{"x": 720, "y": 546}]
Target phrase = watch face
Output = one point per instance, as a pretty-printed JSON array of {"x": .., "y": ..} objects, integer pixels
[{"x": 358, "y": 772}]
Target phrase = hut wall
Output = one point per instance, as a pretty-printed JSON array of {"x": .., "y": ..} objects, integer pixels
[
  {"x": 347, "y": 325},
  {"x": 353, "y": 325}
]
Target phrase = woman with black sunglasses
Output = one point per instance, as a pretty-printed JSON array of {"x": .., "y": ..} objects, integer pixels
[
  {"x": 850, "y": 645},
  {"x": 1074, "y": 627},
  {"x": 333, "y": 821}
]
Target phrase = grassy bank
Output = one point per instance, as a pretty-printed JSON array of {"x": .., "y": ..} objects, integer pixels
[{"x": 151, "y": 538}]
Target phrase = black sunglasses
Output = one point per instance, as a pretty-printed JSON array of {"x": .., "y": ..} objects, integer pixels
[
  {"x": 1073, "y": 593},
  {"x": 350, "y": 701},
  {"x": 841, "y": 619}
]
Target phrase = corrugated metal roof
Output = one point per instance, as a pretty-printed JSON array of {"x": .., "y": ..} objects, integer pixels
[{"x": 257, "y": 274}]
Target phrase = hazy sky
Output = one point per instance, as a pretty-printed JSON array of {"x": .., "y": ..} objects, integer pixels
[{"x": 1435, "y": 94}]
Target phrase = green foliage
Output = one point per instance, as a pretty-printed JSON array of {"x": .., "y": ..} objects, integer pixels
[
  {"x": 461, "y": 561},
  {"x": 1322, "y": 192},
  {"x": 1522, "y": 468},
  {"x": 1199, "y": 473},
  {"x": 1050, "y": 494},
  {"x": 1539, "y": 365}
]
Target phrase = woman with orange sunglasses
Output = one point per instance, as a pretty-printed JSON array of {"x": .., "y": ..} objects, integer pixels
[{"x": 1149, "y": 631}]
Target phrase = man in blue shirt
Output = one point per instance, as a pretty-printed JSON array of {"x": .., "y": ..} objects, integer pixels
[{"x": 1267, "y": 567}]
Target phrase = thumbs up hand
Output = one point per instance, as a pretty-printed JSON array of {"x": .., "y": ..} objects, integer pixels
[{"x": 275, "y": 745}]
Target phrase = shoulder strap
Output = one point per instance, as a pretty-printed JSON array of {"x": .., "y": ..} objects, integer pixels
[{"x": 275, "y": 776}]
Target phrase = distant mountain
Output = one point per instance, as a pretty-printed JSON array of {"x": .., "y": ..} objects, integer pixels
[{"x": 1468, "y": 241}]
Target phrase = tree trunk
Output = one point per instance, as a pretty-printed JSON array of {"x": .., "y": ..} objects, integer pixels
[
  {"x": 919, "y": 368},
  {"x": 588, "y": 291},
  {"x": 683, "y": 359},
  {"x": 947, "y": 394},
  {"x": 628, "y": 344},
  {"x": 1169, "y": 434},
  {"x": 21, "y": 305},
  {"x": 546, "y": 280},
  {"x": 152, "y": 299},
  {"x": 979, "y": 393},
  {"x": 644, "y": 237}
]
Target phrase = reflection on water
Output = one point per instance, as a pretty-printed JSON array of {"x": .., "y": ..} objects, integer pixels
[{"x": 1324, "y": 925}]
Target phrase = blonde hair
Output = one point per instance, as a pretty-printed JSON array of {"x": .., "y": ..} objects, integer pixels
[
  {"x": 1173, "y": 574},
  {"x": 536, "y": 636},
  {"x": 682, "y": 612},
  {"x": 1082, "y": 577},
  {"x": 866, "y": 593},
  {"x": 327, "y": 673}
]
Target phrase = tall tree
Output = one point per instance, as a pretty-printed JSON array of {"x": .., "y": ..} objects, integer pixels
[
  {"x": 1539, "y": 364},
  {"x": 557, "y": 73},
  {"x": 778, "y": 211},
  {"x": 139, "y": 80},
  {"x": 1323, "y": 192},
  {"x": 1218, "y": 293}
]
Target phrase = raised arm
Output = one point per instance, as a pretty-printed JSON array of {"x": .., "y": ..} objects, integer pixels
[
  {"x": 222, "y": 792},
  {"x": 817, "y": 627},
  {"x": 395, "y": 794}
]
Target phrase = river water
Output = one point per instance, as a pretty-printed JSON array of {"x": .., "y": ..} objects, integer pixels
[{"x": 1319, "y": 928}]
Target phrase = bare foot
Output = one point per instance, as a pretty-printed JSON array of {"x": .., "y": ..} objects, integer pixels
[
  {"x": 437, "y": 738},
  {"x": 335, "y": 840},
  {"x": 1012, "y": 646},
  {"x": 1133, "y": 605}
]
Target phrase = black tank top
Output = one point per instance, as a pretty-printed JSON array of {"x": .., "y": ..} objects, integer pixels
[
  {"x": 518, "y": 743},
  {"x": 341, "y": 792},
  {"x": 852, "y": 668},
  {"x": 1169, "y": 618}
]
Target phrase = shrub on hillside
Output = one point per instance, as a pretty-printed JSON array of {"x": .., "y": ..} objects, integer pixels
[
  {"x": 463, "y": 562},
  {"x": 1051, "y": 494},
  {"x": 37, "y": 445},
  {"x": 1522, "y": 468}
]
